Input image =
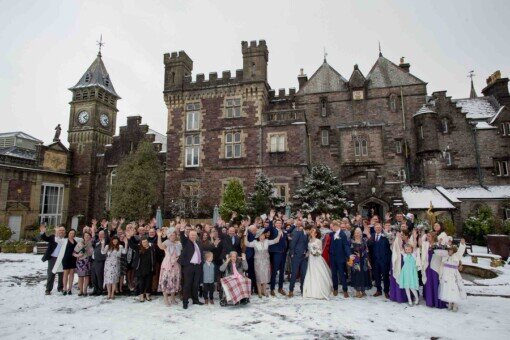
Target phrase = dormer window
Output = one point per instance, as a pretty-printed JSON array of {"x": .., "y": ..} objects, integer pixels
[
  {"x": 444, "y": 125},
  {"x": 324, "y": 107},
  {"x": 106, "y": 81},
  {"x": 87, "y": 77}
]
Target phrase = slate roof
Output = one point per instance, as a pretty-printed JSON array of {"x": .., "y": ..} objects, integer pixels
[
  {"x": 159, "y": 138},
  {"x": 325, "y": 79},
  {"x": 17, "y": 152},
  {"x": 384, "y": 73},
  {"x": 357, "y": 79},
  {"x": 424, "y": 109},
  {"x": 96, "y": 75},
  {"x": 478, "y": 108},
  {"x": 20, "y": 134}
]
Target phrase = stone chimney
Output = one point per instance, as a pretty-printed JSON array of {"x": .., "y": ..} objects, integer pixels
[
  {"x": 497, "y": 87},
  {"x": 403, "y": 65},
  {"x": 302, "y": 79}
]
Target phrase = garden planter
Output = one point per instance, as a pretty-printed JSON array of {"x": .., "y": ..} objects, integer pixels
[
  {"x": 499, "y": 245},
  {"x": 8, "y": 248}
]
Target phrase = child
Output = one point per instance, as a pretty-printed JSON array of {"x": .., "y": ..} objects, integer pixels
[
  {"x": 408, "y": 278},
  {"x": 451, "y": 286},
  {"x": 208, "y": 278}
]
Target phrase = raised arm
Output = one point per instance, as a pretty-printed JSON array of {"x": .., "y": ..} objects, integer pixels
[
  {"x": 462, "y": 249},
  {"x": 104, "y": 248},
  {"x": 275, "y": 240},
  {"x": 248, "y": 243},
  {"x": 223, "y": 267},
  {"x": 160, "y": 243}
]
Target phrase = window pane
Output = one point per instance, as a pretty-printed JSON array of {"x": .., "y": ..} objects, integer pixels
[
  {"x": 281, "y": 143},
  {"x": 189, "y": 140},
  {"x": 237, "y": 150},
  {"x": 357, "y": 148},
  {"x": 196, "y": 139},
  {"x": 237, "y": 111},
  {"x": 274, "y": 143},
  {"x": 364, "y": 147},
  {"x": 229, "y": 112},
  {"x": 228, "y": 151},
  {"x": 230, "y": 102},
  {"x": 237, "y": 137},
  {"x": 238, "y": 102},
  {"x": 196, "y": 151}
]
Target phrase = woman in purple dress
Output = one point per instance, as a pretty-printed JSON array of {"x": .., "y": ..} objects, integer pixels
[
  {"x": 397, "y": 261},
  {"x": 430, "y": 280}
]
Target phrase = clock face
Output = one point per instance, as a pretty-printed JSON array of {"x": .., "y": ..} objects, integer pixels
[
  {"x": 83, "y": 117},
  {"x": 104, "y": 119}
]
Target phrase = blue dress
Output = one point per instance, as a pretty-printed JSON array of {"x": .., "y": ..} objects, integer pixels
[{"x": 409, "y": 274}]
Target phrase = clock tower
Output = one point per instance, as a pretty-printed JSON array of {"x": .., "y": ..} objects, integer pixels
[{"x": 92, "y": 117}]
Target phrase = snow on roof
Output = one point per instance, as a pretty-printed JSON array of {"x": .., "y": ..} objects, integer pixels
[
  {"x": 484, "y": 126},
  {"x": 20, "y": 134},
  {"x": 476, "y": 108},
  {"x": 424, "y": 109},
  {"x": 420, "y": 198},
  {"x": 447, "y": 194},
  {"x": 159, "y": 138},
  {"x": 16, "y": 152},
  {"x": 476, "y": 191},
  {"x": 497, "y": 114}
]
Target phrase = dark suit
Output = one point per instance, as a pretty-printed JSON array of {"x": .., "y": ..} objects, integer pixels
[
  {"x": 97, "y": 268},
  {"x": 339, "y": 252},
  {"x": 277, "y": 253},
  {"x": 52, "y": 244},
  {"x": 229, "y": 246},
  {"x": 381, "y": 261},
  {"x": 191, "y": 272},
  {"x": 299, "y": 260},
  {"x": 250, "y": 258}
]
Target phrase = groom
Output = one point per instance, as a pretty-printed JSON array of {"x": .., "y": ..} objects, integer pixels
[
  {"x": 339, "y": 252},
  {"x": 299, "y": 258}
]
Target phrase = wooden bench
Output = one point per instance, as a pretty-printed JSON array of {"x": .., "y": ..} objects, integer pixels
[{"x": 495, "y": 259}]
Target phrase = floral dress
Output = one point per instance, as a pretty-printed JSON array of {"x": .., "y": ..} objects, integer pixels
[
  {"x": 360, "y": 277},
  {"x": 170, "y": 275},
  {"x": 112, "y": 264},
  {"x": 84, "y": 254},
  {"x": 262, "y": 264}
]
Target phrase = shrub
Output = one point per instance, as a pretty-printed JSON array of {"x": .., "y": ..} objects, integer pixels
[
  {"x": 5, "y": 232},
  {"x": 479, "y": 225}
]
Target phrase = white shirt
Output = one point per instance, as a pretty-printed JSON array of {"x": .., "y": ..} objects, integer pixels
[{"x": 57, "y": 248}]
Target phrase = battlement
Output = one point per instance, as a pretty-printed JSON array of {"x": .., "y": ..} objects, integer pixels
[
  {"x": 177, "y": 57},
  {"x": 253, "y": 48},
  {"x": 282, "y": 95},
  {"x": 213, "y": 80}
]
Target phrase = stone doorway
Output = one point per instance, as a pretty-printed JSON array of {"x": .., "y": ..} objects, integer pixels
[{"x": 373, "y": 206}]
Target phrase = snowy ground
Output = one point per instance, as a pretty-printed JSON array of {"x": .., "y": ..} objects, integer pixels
[{"x": 25, "y": 312}]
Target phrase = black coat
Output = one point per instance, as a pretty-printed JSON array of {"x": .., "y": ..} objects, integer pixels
[
  {"x": 142, "y": 263},
  {"x": 188, "y": 249},
  {"x": 51, "y": 246},
  {"x": 228, "y": 246}
]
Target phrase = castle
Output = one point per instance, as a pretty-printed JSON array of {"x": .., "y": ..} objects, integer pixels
[{"x": 392, "y": 145}]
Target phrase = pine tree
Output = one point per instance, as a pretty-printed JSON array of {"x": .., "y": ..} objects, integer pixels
[
  {"x": 233, "y": 200},
  {"x": 136, "y": 189},
  {"x": 262, "y": 198},
  {"x": 321, "y": 192}
]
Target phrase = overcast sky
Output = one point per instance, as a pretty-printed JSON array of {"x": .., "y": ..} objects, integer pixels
[{"x": 47, "y": 46}]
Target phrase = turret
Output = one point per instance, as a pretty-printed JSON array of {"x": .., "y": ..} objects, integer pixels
[
  {"x": 426, "y": 122},
  {"x": 178, "y": 65},
  {"x": 255, "y": 57}
]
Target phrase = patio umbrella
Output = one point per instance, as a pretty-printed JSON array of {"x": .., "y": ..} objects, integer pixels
[{"x": 287, "y": 210}]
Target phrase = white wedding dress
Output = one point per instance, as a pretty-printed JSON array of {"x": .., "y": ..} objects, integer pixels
[{"x": 318, "y": 282}]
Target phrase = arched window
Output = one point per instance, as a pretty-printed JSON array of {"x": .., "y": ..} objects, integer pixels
[
  {"x": 393, "y": 102},
  {"x": 360, "y": 146},
  {"x": 324, "y": 107},
  {"x": 445, "y": 126}
]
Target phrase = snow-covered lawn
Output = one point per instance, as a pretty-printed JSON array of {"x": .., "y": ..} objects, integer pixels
[{"x": 26, "y": 313}]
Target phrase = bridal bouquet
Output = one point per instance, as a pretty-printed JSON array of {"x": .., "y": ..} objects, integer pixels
[{"x": 315, "y": 249}]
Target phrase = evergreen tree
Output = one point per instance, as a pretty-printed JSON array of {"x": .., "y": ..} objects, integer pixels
[
  {"x": 321, "y": 192},
  {"x": 262, "y": 199},
  {"x": 136, "y": 189},
  {"x": 233, "y": 200}
]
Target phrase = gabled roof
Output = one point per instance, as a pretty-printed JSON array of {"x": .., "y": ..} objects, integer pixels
[
  {"x": 20, "y": 134},
  {"x": 384, "y": 73},
  {"x": 96, "y": 75},
  {"x": 477, "y": 108},
  {"x": 58, "y": 146},
  {"x": 325, "y": 79},
  {"x": 424, "y": 109},
  {"x": 357, "y": 78}
]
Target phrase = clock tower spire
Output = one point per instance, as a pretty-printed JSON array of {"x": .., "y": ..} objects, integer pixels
[{"x": 92, "y": 118}]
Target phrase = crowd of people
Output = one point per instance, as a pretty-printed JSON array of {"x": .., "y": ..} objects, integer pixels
[{"x": 237, "y": 259}]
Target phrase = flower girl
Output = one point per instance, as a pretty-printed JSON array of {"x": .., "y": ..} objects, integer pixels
[
  {"x": 408, "y": 278},
  {"x": 451, "y": 286}
]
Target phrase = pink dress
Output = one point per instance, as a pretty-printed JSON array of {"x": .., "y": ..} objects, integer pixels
[{"x": 170, "y": 275}]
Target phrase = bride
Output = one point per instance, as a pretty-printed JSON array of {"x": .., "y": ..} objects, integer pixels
[{"x": 318, "y": 283}]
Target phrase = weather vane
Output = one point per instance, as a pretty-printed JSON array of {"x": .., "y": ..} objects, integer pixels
[
  {"x": 471, "y": 74},
  {"x": 325, "y": 54},
  {"x": 100, "y": 43},
  {"x": 380, "y": 52}
]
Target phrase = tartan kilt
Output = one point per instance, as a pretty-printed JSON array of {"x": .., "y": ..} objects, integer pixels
[{"x": 236, "y": 288}]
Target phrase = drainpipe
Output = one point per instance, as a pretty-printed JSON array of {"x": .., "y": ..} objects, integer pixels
[
  {"x": 406, "y": 153},
  {"x": 477, "y": 156},
  {"x": 308, "y": 142}
]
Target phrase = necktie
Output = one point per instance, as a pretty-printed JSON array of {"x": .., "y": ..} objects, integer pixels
[
  {"x": 197, "y": 251},
  {"x": 233, "y": 240},
  {"x": 377, "y": 238}
]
